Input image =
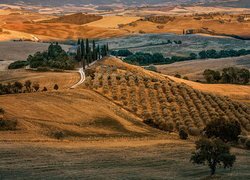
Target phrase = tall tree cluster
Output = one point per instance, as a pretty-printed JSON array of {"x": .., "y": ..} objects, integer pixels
[{"x": 87, "y": 53}]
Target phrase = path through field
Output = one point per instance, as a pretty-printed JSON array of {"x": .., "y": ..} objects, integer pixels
[{"x": 82, "y": 74}]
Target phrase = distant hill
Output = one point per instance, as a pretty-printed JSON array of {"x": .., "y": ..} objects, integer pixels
[
  {"x": 97, "y": 2},
  {"x": 77, "y": 18},
  {"x": 229, "y": 3},
  {"x": 225, "y": 3}
]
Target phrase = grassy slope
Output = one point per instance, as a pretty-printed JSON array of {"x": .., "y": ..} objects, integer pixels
[
  {"x": 76, "y": 113},
  {"x": 236, "y": 92}
]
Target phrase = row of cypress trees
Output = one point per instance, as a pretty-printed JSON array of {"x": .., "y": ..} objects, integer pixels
[{"x": 87, "y": 54}]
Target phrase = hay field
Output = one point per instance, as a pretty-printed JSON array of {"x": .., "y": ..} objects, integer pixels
[
  {"x": 46, "y": 79},
  {"x": 113, "y": 21},
  {"x": 76, "y": 114},
  {"x": 219, "y": 25},
  {"x": 64, "y": 31},
  {"x": 194, "y": 69}
]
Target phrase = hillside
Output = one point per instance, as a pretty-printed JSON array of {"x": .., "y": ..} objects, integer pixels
[
  {"x": 235, "y": 92},
  {"x": 120, "y": 96},
  {"x": 220, "y": 24},
  {"x": 78, "y": 18},
  {"x": 73, "y": 114},
  {"x": 214, "y": 21},
  {"x": 164, "y": 103},
  {"x": 99, "y": 125}
]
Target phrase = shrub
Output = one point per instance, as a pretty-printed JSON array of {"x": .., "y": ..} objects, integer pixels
[
  {"x": 183, "y": 135},
  {"x": 58, "y": 135},
  {"x": 177, "y": 75},
  {"x": 242, "y": 139},
  {"x": 2, "y": 111},
  {"x": 43, "y": 69},
  {"x": 36, "y": 86},
  {"x": 45, "y": 89},
  {"x": 169, "y": 126},
  {"x": 247, "y": 144},
  {"x": 27, "y": 85},
  {"x": 56, "y": 87},
  {"x": 194, "y": 131},
  {"x": 18, "y": 64},
  {"x": 8, "y": 125},
  {"x": 149, "y": 122}
]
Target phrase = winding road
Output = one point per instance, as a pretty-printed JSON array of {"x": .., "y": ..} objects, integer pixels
[
  {"x": 82, "y": 74},
  {"x": 83, "y": 77}
]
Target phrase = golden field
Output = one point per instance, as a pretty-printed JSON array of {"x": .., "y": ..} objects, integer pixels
[
  {"x": 23, "y": 24},
  {"x": 114, "y": 108}
]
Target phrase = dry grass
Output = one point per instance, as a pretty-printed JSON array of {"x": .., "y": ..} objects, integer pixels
[
  {"x": 118, "y": 159},
  {"x": 108, "y": 26},
  {"x": 46, "y": 79},
  {"x": 236, "y": 92},
  {"x": 77, "y": 18},
  {"x": 41, "y": 115},
  {"x": 113, "y": 21},
  {"x": 64, "y": 31},
  {"x": 229, "y": 26}
]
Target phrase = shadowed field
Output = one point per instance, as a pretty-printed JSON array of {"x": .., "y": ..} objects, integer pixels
[{"x": 164, "y": 159}]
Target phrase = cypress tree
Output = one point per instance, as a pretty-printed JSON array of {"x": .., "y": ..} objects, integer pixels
[
  {"x": 107, "y": 49},
  {"x": 87, "y": 46},
  {"x": 78, "y": 42},
  {"x": 78, "y": 54},
  {"x": 94, "y": 51},
  {"x": 83, "y": 53},
  {"x": 98, "y": 52}
]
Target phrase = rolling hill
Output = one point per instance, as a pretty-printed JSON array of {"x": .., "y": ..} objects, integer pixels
[
  {"x": 42, "y": 116},
  {"x": 161, "y": 102},
  {"x": 78, "y": 18},
  {"x": 114, "y": 101}
]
